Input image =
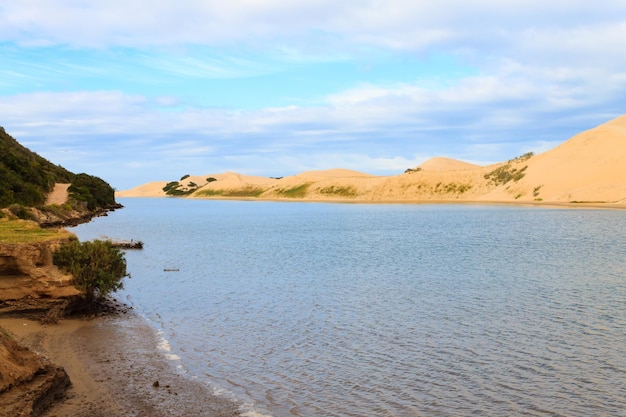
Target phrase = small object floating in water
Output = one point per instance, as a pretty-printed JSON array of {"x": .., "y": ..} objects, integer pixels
[
  {"x": 171, "y": 269},
  {"x": 127, "y": 244}
]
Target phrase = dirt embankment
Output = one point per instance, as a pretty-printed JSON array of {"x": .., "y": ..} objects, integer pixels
[
  {"x": 30, "y": 286},
  {"x": 29, "y": 384}
]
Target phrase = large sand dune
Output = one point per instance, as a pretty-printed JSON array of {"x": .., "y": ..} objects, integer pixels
[{"x": 590, "y": 167}]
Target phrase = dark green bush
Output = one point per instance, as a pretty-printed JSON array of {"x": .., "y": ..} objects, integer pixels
[
  {"x": 95, "y": 192},
  {"x": 20, "y": 212},
  {"x": 175, "y": 188},
  {"x": 97, "y": 267}
]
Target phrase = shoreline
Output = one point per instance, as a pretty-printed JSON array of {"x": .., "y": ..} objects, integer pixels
[
  {"x": 555, "y": 204},
  {"x": 114, "y": 363}
]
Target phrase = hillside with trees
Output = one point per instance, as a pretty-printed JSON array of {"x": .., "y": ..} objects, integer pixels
[{"x": 27, "y": 178}]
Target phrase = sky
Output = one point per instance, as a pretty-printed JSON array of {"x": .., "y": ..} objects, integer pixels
[{"x": 136, "y": 91}]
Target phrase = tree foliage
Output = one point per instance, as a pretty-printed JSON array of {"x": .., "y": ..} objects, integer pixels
[
  {"x": 94, "y": 191},
  {"x": 26, "y": 179},
  {"x": 97, "y": 266}
]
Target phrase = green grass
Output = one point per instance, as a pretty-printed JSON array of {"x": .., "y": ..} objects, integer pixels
[
  {"x": 340, "y": 191},
  {"x": 22, "y": 231},
  {"x": 239, "y": 192},
  {"x": 523, "y": 157},
  {"x": 451, "y": 188},
  {"x": 505, "y": 173},
  {"x": 294, "y": 192}
]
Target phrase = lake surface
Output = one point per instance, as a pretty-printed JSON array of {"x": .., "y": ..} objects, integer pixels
[{"x": 311, "y": 309}]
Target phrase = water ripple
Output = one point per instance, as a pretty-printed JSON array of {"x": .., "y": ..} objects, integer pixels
[{"x": 342, "y": 310}]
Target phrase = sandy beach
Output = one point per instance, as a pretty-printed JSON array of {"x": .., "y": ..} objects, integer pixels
[{"x": 114, "y": 364}]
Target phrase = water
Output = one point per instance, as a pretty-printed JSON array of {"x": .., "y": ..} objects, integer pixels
[{"x": 306, "y": 309}]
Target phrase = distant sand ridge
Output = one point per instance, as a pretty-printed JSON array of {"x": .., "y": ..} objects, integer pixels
[{"x": 588, "y": 168}]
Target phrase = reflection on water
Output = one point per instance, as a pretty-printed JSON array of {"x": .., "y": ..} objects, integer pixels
[{"x": 386, "y": 310}]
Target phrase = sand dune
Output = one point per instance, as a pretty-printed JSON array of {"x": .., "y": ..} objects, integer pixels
[
  {"x": 446, "y": 164},
  {"x": 151, "y": 189},
  {"x": 589, "y": 167},
  {"x": 333, "y": 173}
]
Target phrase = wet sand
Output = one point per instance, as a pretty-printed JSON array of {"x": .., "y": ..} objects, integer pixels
[{"x": 114, "y": 364}]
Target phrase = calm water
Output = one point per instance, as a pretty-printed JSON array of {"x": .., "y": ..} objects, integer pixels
[{"x": 386, "y": 310}]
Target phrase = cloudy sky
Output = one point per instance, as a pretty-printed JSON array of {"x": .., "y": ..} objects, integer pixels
[{"x": 135, "y": 90}]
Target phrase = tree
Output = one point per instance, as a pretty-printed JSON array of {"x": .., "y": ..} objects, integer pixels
[{"x": 97, "y": 266}]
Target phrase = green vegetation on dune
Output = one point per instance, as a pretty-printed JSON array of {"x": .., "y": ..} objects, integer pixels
[
  {"x": 451, "y": 188},
  {"x": 298, "y": 191},
  {"x": 337, "y": 190},
  {"x": 507, "y": 172},
  {"x": 248, "y": 191}
]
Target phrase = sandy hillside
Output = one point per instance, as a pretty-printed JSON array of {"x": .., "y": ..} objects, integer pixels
[
  {"x": 446, "y": 164},
  {"x": 232, "y": 184},
  {"x": 151, "y": 189},
  {"x": 589, "y": 167},
  {"x": 331, "y": 173}
]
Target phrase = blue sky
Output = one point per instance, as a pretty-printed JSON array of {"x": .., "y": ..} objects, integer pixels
[{"x": 136, "y": 91}]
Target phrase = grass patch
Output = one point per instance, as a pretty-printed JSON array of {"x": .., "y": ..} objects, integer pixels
[
  {"x": 294, "y": 192},
  {"x": 248, "y": 191},
  {"x": 340, "y": 191},
  {"x": 523, "y": 157},
  {"x": 22, "y": 231},
  {"x": 505, "y": 173},
  {"x": 451, "y": 188}
]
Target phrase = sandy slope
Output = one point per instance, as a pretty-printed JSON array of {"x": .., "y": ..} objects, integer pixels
[
  {"x": 590, "y": 167},
  {"x": 446, "y": 164},
  {"x": 58, "y": 195},
  {"x": 150, "y": 189}
]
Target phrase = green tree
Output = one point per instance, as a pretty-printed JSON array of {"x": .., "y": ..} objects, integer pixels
[
  {"x": 97, "y": 267},
  {"x": 94, "y": 191}
]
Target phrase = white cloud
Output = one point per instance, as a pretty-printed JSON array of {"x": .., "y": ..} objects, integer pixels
[
  {"x": 369, "y": 128},
  {"x": 544, "y": 70},
  {"x": 407, "y": 24}
]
